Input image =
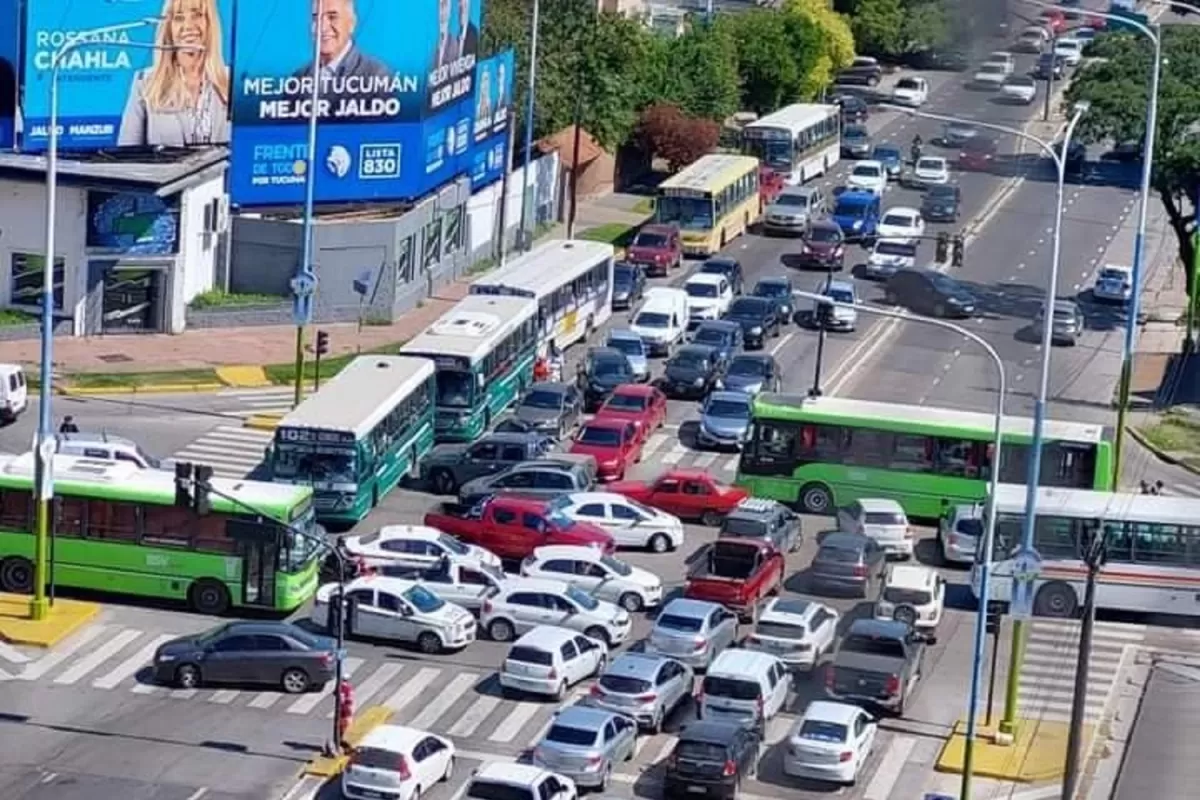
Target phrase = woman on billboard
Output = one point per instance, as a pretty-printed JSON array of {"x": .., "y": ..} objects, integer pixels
[{"x": 182, "y": 100}]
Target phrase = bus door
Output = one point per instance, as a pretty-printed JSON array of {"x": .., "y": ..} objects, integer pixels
[{"x": 258, "y": 547}]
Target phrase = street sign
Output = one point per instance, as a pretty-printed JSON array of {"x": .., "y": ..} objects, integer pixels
[
  {"x": 304, "y": 285},
  {"x": 1026, "y": 566}
]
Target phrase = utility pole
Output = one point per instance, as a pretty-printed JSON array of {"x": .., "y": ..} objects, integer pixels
[
  {"x": 1050, "y": 83},
  {"x": 819, "y": 311},
  {"x": 1093, "y": 551}
]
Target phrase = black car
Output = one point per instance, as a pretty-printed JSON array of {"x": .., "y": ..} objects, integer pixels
[
  {"x": 758, "y": 317},
  {"x": 928, "y": 292},
  {"x": 694, "y": 371},
  {"x": 941, "y": 203},
  {"x": 730, "y": 268},
  {"x": 779, "y": 290},
  {"x": 448, "y": 466},
  {"x": 863, "y": 71},
  {"x": 268, "y": 653},
  {"x": 854, "y": 108},
  {"x": 712, "y": 759},
  {"x": 629, "y": 283},
  {"x": 845, "y": 563},
  {"x": 941, "y": 60},
  {"x": 1050, "y": 67},
  {"x": 722, "y": 335},
  {"x": 753, "y": 373},
  {"x": 602, "y": 370},
  {"x": 548, "y": 408}
]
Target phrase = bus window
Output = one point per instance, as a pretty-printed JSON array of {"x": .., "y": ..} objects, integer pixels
[
  {"x": 1068, "y": 465},
  {"x": 912, "y": 453},
  {"x": 1055, "y": 537},
  {"x": 868, "y": 448},
  {"x": 960, "y": 459},
  {"x": 1158, "y": 544}
]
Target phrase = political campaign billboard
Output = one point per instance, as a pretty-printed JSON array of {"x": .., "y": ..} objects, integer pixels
[
  {"x": 395, "y": 85},
  {"x": 133, "y": 73},
  {"x": 10, "y": 44},
  {"x": 489, "y": 128}
]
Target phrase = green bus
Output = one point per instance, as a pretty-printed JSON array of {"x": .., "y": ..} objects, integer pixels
[
  {"x": 818, "y": 453},
  {"x": 116, "y": 529},
  {"x": 483, "y": 350},
  {"x": 358, "y": 435}
]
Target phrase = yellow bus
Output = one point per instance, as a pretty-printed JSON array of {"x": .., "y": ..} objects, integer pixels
[{"x": 713, "y": 201}]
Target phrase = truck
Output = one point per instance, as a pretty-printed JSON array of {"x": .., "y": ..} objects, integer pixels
[
  {"x": 737, "y": 573},
  {"x": 878, "y": 663},
  {"x": 513, "y": 527}
]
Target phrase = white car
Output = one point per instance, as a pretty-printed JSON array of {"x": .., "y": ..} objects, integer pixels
[
  {"x": 399, "y": 762},
  {"x": 990, "y": 76},
  {"x": 931, "y": 171},
  {"x": 601, "y": 576},
  {"x": 708, "y": 296},
  {"x": 519, "y": 782},
  {"x": 890, "y": 256},
  {"x": 913, "y": 594},
  {"x": 905, "y": 224},
  {"x": 958, "y": 533},
  {"x": 879, "y": 519},
  {"x": 1032, "y": 40},
  {"x": 1019, "y": 89},
  {"x": 831, "y": 742},
  {"x": 1004, "y": 58},
  {"x": 1114, "y": 284},
  {"x": 1070, "y": 49},
  {"x": 1084, "y": 35},
  {"x": 548, "y": 660},
  {"x": 523, "y": 604},
  {"x": 399, "y": 610},
  {"x": 630, "y": 523},
  {"x": 870, "y": 176},
  {"x": 462, "y": 583},
  {"x": 910, "y": 91},
  {"x": 795, "y": 631},
  {"x": 415, "y": 546}
]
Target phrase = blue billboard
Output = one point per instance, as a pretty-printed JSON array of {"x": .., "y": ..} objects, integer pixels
[
  {"x": 489, "y": 129},
  {"x": 10, "y": 44},
  {"x": 123, "y": 87},
  {"x": 394, "y": 109}
]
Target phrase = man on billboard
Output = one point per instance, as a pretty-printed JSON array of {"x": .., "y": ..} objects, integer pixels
[
  {"x": 501, "y": 85},
  {"x": 341, "y": 61},
  {"x": 467, "y": 38},
  {"x": 182, "y": 99}
]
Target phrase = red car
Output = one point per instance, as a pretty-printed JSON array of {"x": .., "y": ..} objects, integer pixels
[
  {"x": 977, "y": 154},
  {"x": 1054, "y": 20},
  {"x": 513, "y": 527},
  {"x": 686, "y": 493},
  {"x": 614, "y": 443},
  {"x": 644, "y": 406},
  {"x": 656, "y": 248},
  {"x": 770, "y": 185}
]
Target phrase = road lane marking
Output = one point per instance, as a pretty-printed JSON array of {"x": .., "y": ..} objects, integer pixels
[
  {"x": 475, "y": 716},
  {"x": 196, "y": 795},
  {"x": 12, "y": 655},
  {"x": 38, "y": 668},
  {"x": 654, "y": 443},
  {"x": 433, "y": 711},
  {"x": 311, "y": 701},
  {"x": 674, "y": 454},
  {"x": 782, "y": 343},
  {"x": 130, "y": 666},
  {"x": 98, "y": 656},
  {"x": 371, "y": 686},
  {"x": 412, "y": 689},
  {"x": 224, "y": 697},
  {"x": 777, "y": 730},
  {"x": 664, "y": 751},
  {"x": 706, "y": 460},
  {"x": 512, "y": 725},
  {"x": 890, "y": 767}
]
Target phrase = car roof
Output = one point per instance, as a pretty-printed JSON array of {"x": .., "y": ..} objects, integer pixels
[
  {"x": 888, "y": 628},
  {"x": 912, "y": 212},
  {"x": 605, "y": 352},
  {"x": 721, "y": 261},
  {"x": 553, "y": 386},
  {"x": 568, "y": 551},
  {"x": 586, "y": 717},
  {"x": 828, "y": 224},
  {"x": 888, "y": 147},
  {"x": 762, "y": 358},
  {"x": 266, "y": 626},
  {"x": 855, "y": 197},
  {"x": 753, "y": 300},
  {"x": 806, "y": 191},
  {"x": 578, "y": 498},
  {"x": 736, "y": 661},
  {"x": 385, "y": 583},
  {"x": 841, "y": 285},
  {"x": 787, "y": 608},
  {"x": 723, "y": 325},
  {"x": 522, "y": 584},
  {"x": 886, "y": 504},
  {"x": 869, "y": 162},
  {"x": 421, "y": 532},
  {"x": 829, "y": 711},
  {"x": 520, "y": 437},
  {"x": 394, "y": 738},
  {"x": 691, "y": 348},
  {"x": 709, "y": 278},
  {"x": 709, "y": 732},
  {"x": 510, "y": 772},
  {"x": 844, "y": 540},
  {"x": 910, "y": 576},
  {"x": 657, "y": 227},
  {"x": 774, "y": 280},
  {"x": 686, "y": 607},
  {"x": 855, "y": 128},
  {"x": 636, "y": 665},
  {"x": 541, "y": 636},
  {"x": 731, "y": 397},
  {"x": 685, "y": 474},
  {"x": 95, "y": 437},
  {"x": 634, "y": 389},
  {"x": 941, "y": 159},
  {"x": 623, "y": 333},
  {"x": 606, "y": 423}
]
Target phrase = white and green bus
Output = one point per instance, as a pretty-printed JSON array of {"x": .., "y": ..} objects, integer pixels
[
  {"x": 359, "y": 435},
  {"x": 483, "y": 350}
]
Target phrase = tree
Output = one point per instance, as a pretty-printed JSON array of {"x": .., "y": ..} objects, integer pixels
[
  {"x": 667, "y": 132},
  {"x": 834, "y": 41},
  {"x": 878, "y": 26},
  {"x": 1117, "y": 89},
  {"x": 698, "y": 72}
]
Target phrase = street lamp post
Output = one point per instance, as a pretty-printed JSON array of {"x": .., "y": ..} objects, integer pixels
[
  {"x": 44, "y": 449},
  {"x": 989, "y": 525}
]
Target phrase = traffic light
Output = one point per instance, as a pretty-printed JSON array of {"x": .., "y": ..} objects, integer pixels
[
  {"x": 202, "y": 489},
  {"x": 322, "y": 343},
  {"x": 959, "y": 246},
  {"x": 943, "y": 248},
  {"x": 183, "y": 484}
]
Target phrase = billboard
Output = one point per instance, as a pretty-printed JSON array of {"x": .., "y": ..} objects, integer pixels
[
  {"x": 114, "y": 88},
  {"x": 133, "y": 223},
  {"x": 10, "y": 44},
  {"x": 489, "y": 128},
  {"x": 394, "y": 108}
]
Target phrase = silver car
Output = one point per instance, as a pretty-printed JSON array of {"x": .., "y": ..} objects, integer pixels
[
  {"x": 1114, "y": 284},
  {"x": 724, "y": 419},
  {"x": 635, "y": 350},
  {"x": 793, "y": 208},
  {"x": 645, "y": 686},
  {"x": 1067, "y": 326},
  {"x": 839, "y": 317},
  {"x": 751, "y": 373},
  {"x": 586, "y": 744},
  {"x": 692, "y": 631}
]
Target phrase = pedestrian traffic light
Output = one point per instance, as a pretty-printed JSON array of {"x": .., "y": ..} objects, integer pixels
[
  {"x": 202, "y": 488},
  {"x": 183, "y": 484},
  {"x": 959, "y": 246},
  {"x": 943, "y": 248},
  {"x": 322, "y": 343}
]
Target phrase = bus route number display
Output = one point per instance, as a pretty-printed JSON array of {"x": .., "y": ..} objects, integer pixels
[
  {"x": 765, "y": 133},
  {"x": 451, "y": 362},
  {"x": 309, "y": 436},
  {"x": 673, "y": 192}
]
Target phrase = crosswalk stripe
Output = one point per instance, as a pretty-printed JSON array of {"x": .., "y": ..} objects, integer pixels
[
  {"x": 38, "y": 668},
  {"x": 730, "y": 466},
  {"x": 412, "y": 689},
  {"x": 309, "y": 702},
  {"x": 12, "y": 655},
  {"x": 97, "y": 657},
  {"x": 371, "y": 686},
  {"x": 706, "y": 460},
  {"x": 512, "y": 725},
  {"x": 184, "y": 694},
  {"x": 664, "y": 750},
  {"x": 446, "y": 698},
  {"x": 130, "y": 666},
  {"x": 224, "y": 697},
  {"x": 673, "y": 455},
  {"x": 654, "y": 443},
  {"x": 221, "y": 452},
  {"x": 479, "y": 711},
  {"x": 264, "y": 700},
  {"x": 241, "y": 435}
]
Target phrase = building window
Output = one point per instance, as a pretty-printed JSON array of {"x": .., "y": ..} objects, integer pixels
[
  {"x": 27, "y": 269},
  {"x": 432, "y": 243}
]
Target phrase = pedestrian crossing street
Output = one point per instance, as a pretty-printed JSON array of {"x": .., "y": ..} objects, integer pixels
[{"x": 1048, "y": 673}]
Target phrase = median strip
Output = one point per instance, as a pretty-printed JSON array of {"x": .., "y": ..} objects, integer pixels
[{"x": 363, "y": 723}]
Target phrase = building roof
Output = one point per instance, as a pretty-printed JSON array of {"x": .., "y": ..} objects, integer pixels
[
  {"x": 167, "y": 171},
  {"x": 564, "y": 143}
]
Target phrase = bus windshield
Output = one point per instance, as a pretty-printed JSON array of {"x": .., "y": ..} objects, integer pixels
[
  {"x": 690, "y": 213},
  {"x": 775, "y": 153},
  {"x": 316, "y": 463},
  {"x": 455, "y": 388}
]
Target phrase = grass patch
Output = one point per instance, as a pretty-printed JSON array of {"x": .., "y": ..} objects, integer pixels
[
  {"x": 617, "y": 234},
  {"x": 134, "y": 380},
  {"x": 1174, "y": 433},
  {"x": 285, "y": 374},
  {"x": 219, "y": 298},
  {"x": 644, "y": 206},
  {"x": 11, "y": 316}
]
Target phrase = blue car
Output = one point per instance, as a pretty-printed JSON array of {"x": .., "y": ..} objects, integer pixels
[
  {"x": 892, "y": 159},
  {"x": 725, "y": 337},
  {"x": 857, "y": 214},
  {"x": 725, "y": 420}
]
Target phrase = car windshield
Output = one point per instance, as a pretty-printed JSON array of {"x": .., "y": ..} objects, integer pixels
[
  {"x": 530, "y": 655},
  {"x": 908, "y": 83},
  {"x": 701, "y": 751},
  {"x": 866, "y": 171},
  {"x": 899, "y": 220},
  {"x": 676, "y": 622},
  {"x": 690, "y": 361},
  {"x": 710, "y": 336},
  {"x": 992, "y": 69},
  {"x": 600, "y": 437},
  {"x": 733, "y": 688},
  {"x": 727, "y": 408},
  {"x": 652, "y": 319},
  {"x": 628, "y": 345},
  {"x": 423, "y": 600},
  {"x": 701, "y": 289},
  {"x": 887, "y": 153},
  {"x": 374, "y": 758},
  {"x": 617, "y": 566},
  {"x": 644, "y": 239},
  {"x": 793, "y": 200},
  {"x": 748, "y": 367},
  {"x": 840, "y": 295},
  {"x": 565, "y": 734},
  {"x": 624, "y": 684},
  {"x": 626, "y": 402},
  {"x": 742, "y": 526},
  {"x": 715, "y": 267},
  {"x": 453, "y": 545},
  {"x": 931, "y": 164},
  {"x": 839, "y": 555},
  {"x": 782, "y": 630},
  {"x": 1064, "y": 313},
  {"x": 623, "y": 275},
  {"x": 492, "y": 790},
  {"x": 455, "y": 388},
  {"x": 541, "y": 398},
  {"x": 824, "y": 234},
  {"x": 896, "y": 249},
  {"x": 942, "y": 283},
  {"x": 817, "y": 730},
  {"x": 912, "y": 597},
  {"x": 1021, "y": 81},
  {"x": 609, "y": 367},
  {"x": 942, "y": 193},
  {"x": 747, "y": 309},
  {"x": 850, "y": 210},
  {"x": 1113, "y": 275},
  {"x": 1067, "y": 44},
  {"x": 873, "y": 645},
  {"x": 771, "y": 289},
  {"x": 584, "y": 601},
  {"x": 855, "y": 132}
]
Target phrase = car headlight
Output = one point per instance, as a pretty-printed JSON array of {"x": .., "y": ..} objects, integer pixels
[
  {"x": 698, "y": 382},
  {"x": 857, "y": 224},
  {"x": 756, "y": 330}
]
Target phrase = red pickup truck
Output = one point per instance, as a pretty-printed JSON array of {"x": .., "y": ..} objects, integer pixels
[
  {"x": 737, "y": 573},
  {"x": 513, "y": 527}
]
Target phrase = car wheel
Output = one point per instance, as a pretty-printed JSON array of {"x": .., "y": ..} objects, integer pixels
[
  {"x": 187, "y": 676},
  {"x": 560, "y": 692},
  {"x": 711, "y": 519},
  {"x": 815, "y": 498},
  {"x": 294, "y": 681},
  {"x": 631, "y": 602},
  {"x": 429, "y": 643},
  {"x": 597, "y": 633},
  {"x": 443, "y": 482},
  {"x": 659, "y": 543},
  {"x": 500, "y": 630},
  {"x": 16, "y": 575}
]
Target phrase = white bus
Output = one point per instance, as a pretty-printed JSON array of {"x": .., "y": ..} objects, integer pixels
[
  {"x": 483, "y": 350},
  {"x": 799, "y": 142},
  {"x": 1153, "y": 550},
  {"x": 572, "y": 281},
  {"x": 358, "y": 435}
]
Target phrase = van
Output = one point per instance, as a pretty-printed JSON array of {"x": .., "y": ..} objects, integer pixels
[
  {"x": 662, "y": 320},
  {"x": 744, "y": 686},
  {"x": 105, "y": 447},
  {"x": 857, "y": 214},
  {"x": 14, "y": 394}
]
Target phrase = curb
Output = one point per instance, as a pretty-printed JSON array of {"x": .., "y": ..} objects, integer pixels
[
  {"x": 152, "y": 388},
  {"x": 1161, "y": 455},
  {"x": 263, "y": 422}
]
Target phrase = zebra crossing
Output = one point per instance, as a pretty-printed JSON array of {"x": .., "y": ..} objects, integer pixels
[
  {"x": 666, "y": 448},
  {"x": 1048, "y": 672},
  {"x": 231, "y": 450},
  {"x": 249, "y": 402}
]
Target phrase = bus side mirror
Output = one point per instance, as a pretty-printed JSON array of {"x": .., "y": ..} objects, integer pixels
[{"x": 479, "y": 380}]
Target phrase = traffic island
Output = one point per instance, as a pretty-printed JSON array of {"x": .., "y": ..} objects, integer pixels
[
  {"x": 263, "y": 422},
  {"x": 1037, "y": 752},
  {"x": 64, "y": 618},
  {"x": 363, "y": 723}
]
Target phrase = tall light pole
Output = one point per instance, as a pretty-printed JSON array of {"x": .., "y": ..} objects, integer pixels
[
  {"x": 1016, "y": 652},
  {"x": 44, "y": 450},
  {"x": 526, "y": 235},
  {"x": 968, "y": 772}
]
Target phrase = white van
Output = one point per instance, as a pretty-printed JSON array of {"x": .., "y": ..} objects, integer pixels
[
  {"x": 104, "y": 447},
  {"x": 744, "y": 685},
  {"x": 14, "y": 394},
  {"x": 662, "y": 320}
]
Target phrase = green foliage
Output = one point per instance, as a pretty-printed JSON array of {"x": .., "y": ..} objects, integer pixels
[
  {"x": 878, "y": 26},
  {"x": 774, "y": 54},
  {"x": 833, "y": 42},
  {"x": 698, "y": 73},
  {"x": 219, "y": 298}
]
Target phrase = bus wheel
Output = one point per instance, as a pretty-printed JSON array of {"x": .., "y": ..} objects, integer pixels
[
  {"x": 16, "y": 575},
  {"x": 816, "y": 499},
  {"x": 1055, "y": 599},
  {"x": 209, "y": 597}
]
